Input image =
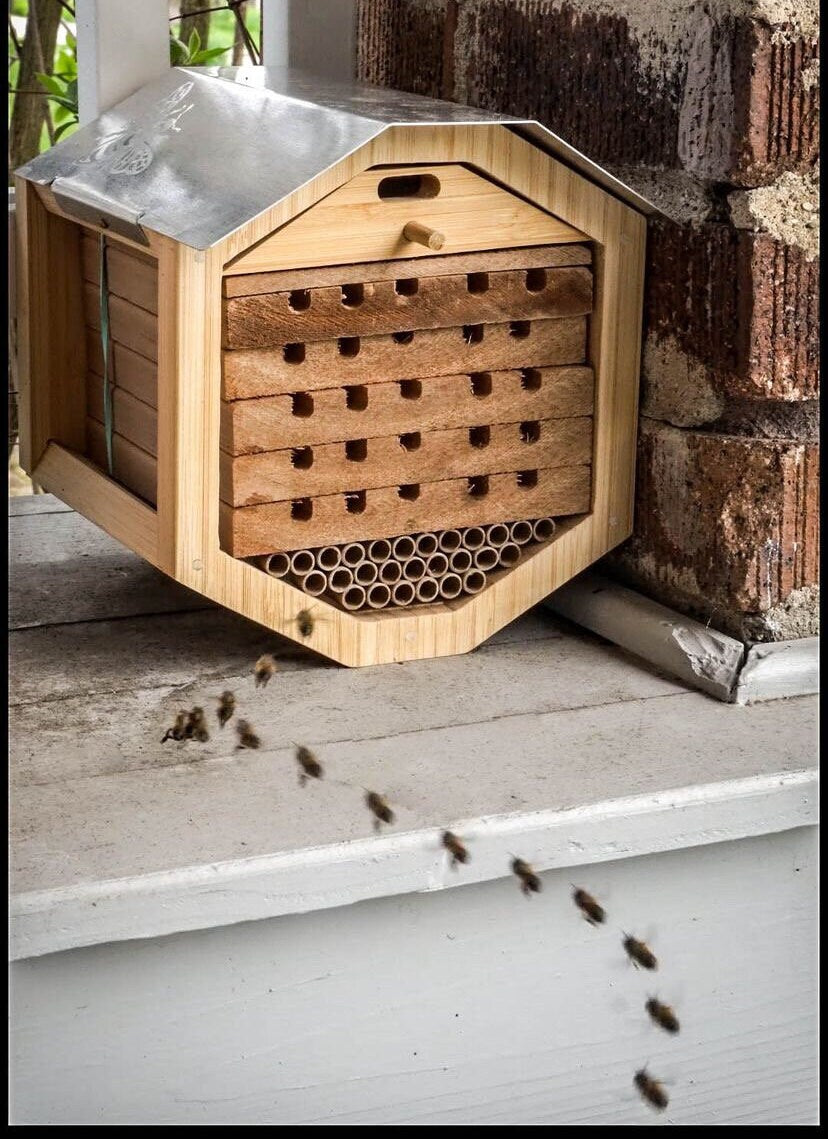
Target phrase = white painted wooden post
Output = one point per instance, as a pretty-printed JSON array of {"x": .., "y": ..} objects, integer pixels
[
  {"x": 317, "y": 36},
  {"x": 121, "y": 46}
]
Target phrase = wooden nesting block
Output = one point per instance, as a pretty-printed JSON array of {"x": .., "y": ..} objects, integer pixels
[
  {"x": 387, "y": 512},
  {"x": 403, "y": 304},
  {"x": 130, "y": 274},
  {"x": 300, "y": 367},
  {"x": 132, "y": 467},
  {"x": 489, "y": 261},
  {"x": 365, "y": 411},
  {"x": 414, "y": 458},
  {"x": 135, "y": 374},
  {"x": 130, "y": 325},
  {"x": 132, "y": 419}
]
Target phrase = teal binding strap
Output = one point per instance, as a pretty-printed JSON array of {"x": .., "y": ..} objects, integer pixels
[{"x": 105, "y": 345}]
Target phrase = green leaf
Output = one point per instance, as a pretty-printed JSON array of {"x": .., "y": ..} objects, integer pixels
[
  {"x": 50, "y": 83},
  {"x": 208, "y": 54},
  {"x": 178, "y": 52},
  {"x": 67, "y": 103},
  {"x": 194, "y": 44},
  {"x": 65, "y": 127},
  {"x": 71, "y": 42}
]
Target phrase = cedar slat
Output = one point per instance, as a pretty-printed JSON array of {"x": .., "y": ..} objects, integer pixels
[
  {"x": 129, "y": 325},
  {"x": 254, "y": 372},
  {"x": 135, "y": 374},
  {"x": 269, "y": 320},
  {"x": 264, "y": 529},
  {"x": 268, "y": 424},
  {"x": 129, "y": 275},
  {"x": 132, "y": 467},
  {"x": 251, "y": 479},
  {"x": 490, "y": 260},
  {"x": 132, "y": 419}
]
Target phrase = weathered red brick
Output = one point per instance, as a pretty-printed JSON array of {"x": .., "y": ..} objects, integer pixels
[
  {"x": 725, "y": 526},
  {"x": 742, "y": 304}
]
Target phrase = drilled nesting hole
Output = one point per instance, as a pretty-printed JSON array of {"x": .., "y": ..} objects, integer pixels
[
  {"x": 402, "y": 337},
  {"x": 348, "y": 346},
  {"x": 535, "y": 280},
  {"x": 530, "y": 379},
  {"x": 294, "y": 353},
  {"x": 527, "y": 479},
  {"x": 302, "y": 458},
  {"x": 477, "y": 282},
  {"x": 356, "y": 398},
  {"x": 352, "y": 297},
  {"x": 530, "y": 431},
  {"x": 480, "y": 436},
  {"x": 481, "y": 384},
  {"x": 407, "y": 287},
  {"x": 473, "y": 333},
  {"x": 356, "y": 450},
  {"x": 411, "y": 441},
  {"x": 410, "y": 492},
  {"x": 301, "y": 509},
  {"x": 302, "y": 404},
  {"x": 520, "y": 329},
  {"x": 355, "y": 501},
  {"x": 299, "y": 300},
  {"x": 411, "y": 389},
  {"x": 478, "y": 486}
]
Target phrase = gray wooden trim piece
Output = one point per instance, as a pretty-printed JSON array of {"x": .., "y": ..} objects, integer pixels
[
  {"x": 701, "y": 657},
  {"x": 774, "y": 671}
]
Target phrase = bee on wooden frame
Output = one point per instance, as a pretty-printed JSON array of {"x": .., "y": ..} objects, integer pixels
[
  {"x": 585, "y": 902},
  {"x": 263, "y": 669},
  {"x": 226, "y": 708},
  {"x": 530, "y": 883},
  {"x": 662, "y": 1015},
  {"x": 176, "y": 732},
  {"x": 652, "y": 1090},
  {"x": 247, "y": 737},
  {"x": 379, "y": 808},
  {"x": 196, "y": 726},
  {"x": 639, "y": 953},
  {"x": 455, "y": 848},
  {"x": 311, "y": 767}
]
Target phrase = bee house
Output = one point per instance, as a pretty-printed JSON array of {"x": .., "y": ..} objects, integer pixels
[{"x": 334, "y": 350}]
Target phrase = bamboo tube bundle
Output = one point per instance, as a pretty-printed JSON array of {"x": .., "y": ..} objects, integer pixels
[{"x": 410, "y": 568}]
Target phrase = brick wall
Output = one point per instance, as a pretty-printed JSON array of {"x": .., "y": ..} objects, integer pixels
[{"x": 711, "y": 110}]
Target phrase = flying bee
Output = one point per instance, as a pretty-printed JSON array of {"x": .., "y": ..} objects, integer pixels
[
  {"x": 176, "y": 732},
  {"x": 304, "y": 622},
  {"x": 663, "y": 1015},
  {"x": 455, "y": 848},
  {"x": 651, "y": 1090},
  {"x": 226, "y": 708},
  {"x": 530, "y": 883},
  {"x": 378, "y": 807},
  {"x": 585, "y": 902},
  {"x": 639, "y": 953},
  {"x": 247, "y": 737},
  {"x": 196, "y": 726},
  {"x": 263, "y": 669},
  {"x": 311, "y": 767}
]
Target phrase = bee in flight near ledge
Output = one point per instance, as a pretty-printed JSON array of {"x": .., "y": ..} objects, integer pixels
[
  {"x": 196, "y": 726},
  {"x": 311, "y": 767},
  {"x": 379, "y": 808},
  {"x": 263, "y": 669},
  {"x": 176, "y": 732},
  {"x": 651, "y": 1090},
  {"x": 662, "y": 1015},
  {"x": 247, "y": 737},
  {"x": 585, "y": 902},
  {"x": 530, "y": 883},
  {"x": 455, "y": 848},
  {"x": 226, "y": 708},
  {"x": 639, "y": 953}
]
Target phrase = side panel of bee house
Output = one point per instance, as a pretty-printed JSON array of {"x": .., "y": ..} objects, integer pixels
[{"x": 392, "y": 384}]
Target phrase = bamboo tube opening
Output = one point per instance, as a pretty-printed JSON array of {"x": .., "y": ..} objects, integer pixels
[
  {"x": 436, "y": 565},
  {"x": 301, "y": 562},
  {"x": 379, "y": 550},
  {"x": 403, "y": 547},
  {"x": 352, "y": 554},
  {"x": 378, "y": 596},
  {"x": 522, "y": 532},
  {"x": 329, "y": 557},
  {"x": 497, "y": 535},
  {"x": 473, "y": 538},
  {"x": 449, "y": 540},
  {"x": 487, "y": 557},
  {"x": 340, "y": 579},
  {"x": 460, "y": 561},
  {"x": 427, "y": 589},
  {"x": 450, "y": 585},
  {"x": 353, "y": 598},
  {"x": 413, "y": 569},
  {"x": 426, "y": 544},
  {"x": 314, "y": 583},
  {"x": 277, "y": 565},
  {"x": 366, "y": 573},
  {"x": 390, "y": 572},
  {"x": 473, "y": 581},
  {"x": 509, "y": 554},
  {"x": 403, "y": 593},
  {"x": 543, "y": 529}
]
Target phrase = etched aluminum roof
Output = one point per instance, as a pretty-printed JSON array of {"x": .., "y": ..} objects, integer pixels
[{"x": 200, "y": 152}]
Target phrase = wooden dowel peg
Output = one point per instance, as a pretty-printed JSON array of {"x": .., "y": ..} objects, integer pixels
[{"x": 423, "y": 235}]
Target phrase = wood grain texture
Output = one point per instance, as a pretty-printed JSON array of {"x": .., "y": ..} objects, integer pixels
[
  {"x": 437, "y": 403},
  {"x": 491, "y": 260},
  {"x": 134, "y": 468},
  {"x": 130, "y": 274},
  {"x": 252, "y": 530},
  {"x": 469, "y": 210},
  {"x": 130, "y": 325},
  {"x": 251, "y": 373},
  {"x": 375, "y": 307},
  {"x": 132, "y": 372},
  {"x": 132, "y": 418},
  {"x": 269, "y": 477}
]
